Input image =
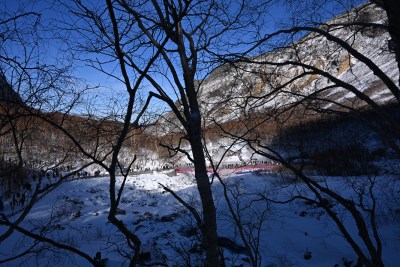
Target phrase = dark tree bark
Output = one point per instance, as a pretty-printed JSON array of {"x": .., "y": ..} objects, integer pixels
[{"x": 203, "y": 185}]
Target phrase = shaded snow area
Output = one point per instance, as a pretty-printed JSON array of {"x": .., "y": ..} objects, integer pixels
[{"x": 294, "y": 234}]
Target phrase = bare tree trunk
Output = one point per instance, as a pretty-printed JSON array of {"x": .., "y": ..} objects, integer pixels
[{"x": 209, "y": 227}]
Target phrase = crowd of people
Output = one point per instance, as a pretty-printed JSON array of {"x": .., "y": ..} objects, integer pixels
[
  {"x": 16, "y": 197},
  {"x": 17, "y": 194}
]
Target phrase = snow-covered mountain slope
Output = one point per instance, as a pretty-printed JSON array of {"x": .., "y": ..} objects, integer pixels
[{"x": 244, "y": 92}]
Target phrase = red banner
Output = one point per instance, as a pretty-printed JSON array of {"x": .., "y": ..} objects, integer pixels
[{"x": 235, "y": 170}]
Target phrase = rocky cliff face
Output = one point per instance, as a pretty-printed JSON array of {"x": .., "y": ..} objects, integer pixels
[{"x": 307, "y": 68}]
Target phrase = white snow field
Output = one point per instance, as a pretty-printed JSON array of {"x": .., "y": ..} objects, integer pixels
[{"x": 76, "y": 214}]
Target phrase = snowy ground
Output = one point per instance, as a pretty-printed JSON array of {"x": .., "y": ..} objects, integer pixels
[{"x": 76, "y": 213}]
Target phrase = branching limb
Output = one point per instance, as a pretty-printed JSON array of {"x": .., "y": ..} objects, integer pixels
[{"x": 192, "y": 210}]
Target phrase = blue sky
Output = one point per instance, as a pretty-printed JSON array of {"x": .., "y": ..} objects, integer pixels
[{"x": 50, "y": 51}]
